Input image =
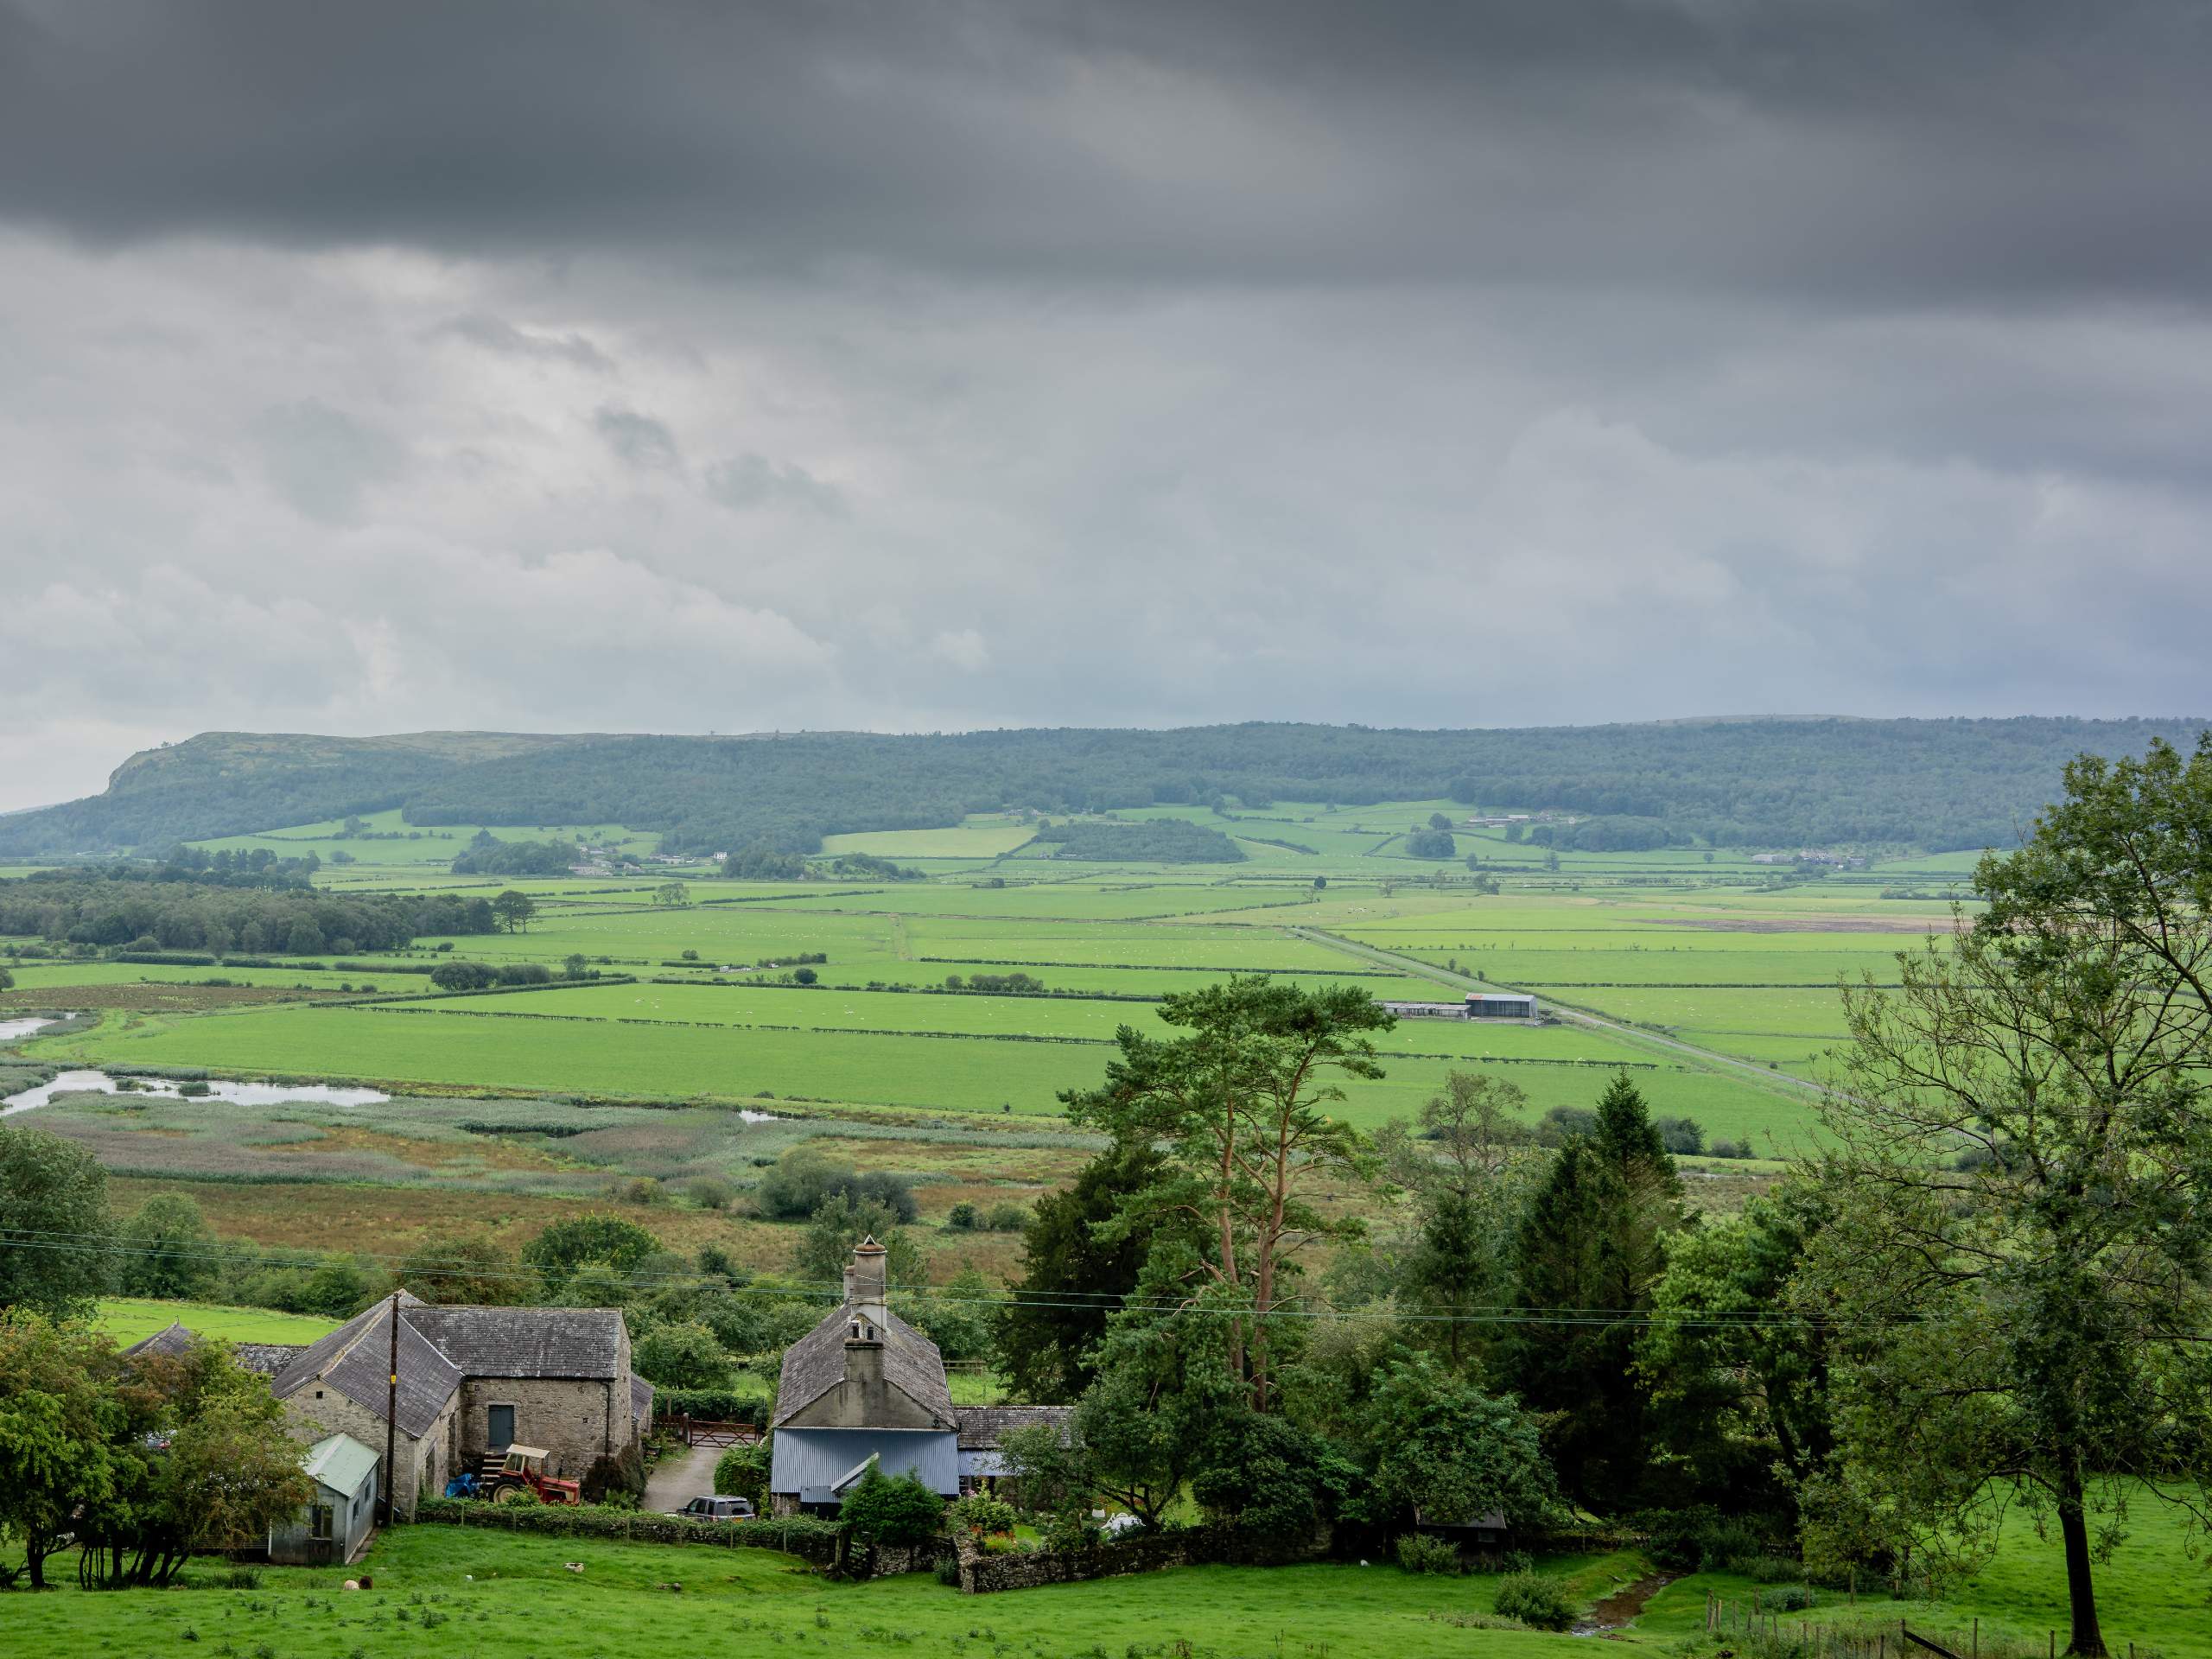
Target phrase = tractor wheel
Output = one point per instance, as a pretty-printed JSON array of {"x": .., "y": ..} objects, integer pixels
[{"x": 511, "y": 1494}]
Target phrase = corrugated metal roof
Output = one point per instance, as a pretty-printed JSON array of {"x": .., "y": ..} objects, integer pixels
[
  {"x": 804, "y": 1458},
  {"x": 339, "y": 1462}
]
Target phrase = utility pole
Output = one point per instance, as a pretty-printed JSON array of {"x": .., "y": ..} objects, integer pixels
[{"x": 391, "y": 1413}]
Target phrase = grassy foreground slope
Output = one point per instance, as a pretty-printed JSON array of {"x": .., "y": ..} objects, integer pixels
[{"x": 449, "y": 1591}]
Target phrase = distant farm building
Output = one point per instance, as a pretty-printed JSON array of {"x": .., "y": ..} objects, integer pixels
[{"x": 1478, "y": 1005}]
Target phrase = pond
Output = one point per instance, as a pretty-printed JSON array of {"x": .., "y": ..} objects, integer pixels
[
  {"x": 241, "y": 1094},
  {"x": 14, "y": 1031}
]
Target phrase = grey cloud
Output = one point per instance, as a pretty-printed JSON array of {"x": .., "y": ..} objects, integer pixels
[
  {"x": 497, "y": 334},
  {"x": 751, "y": 481},
  {"x": 322, "y": 459},
  {"x": 639, "y": 440},
  {"x": 1814, "y": 148}
]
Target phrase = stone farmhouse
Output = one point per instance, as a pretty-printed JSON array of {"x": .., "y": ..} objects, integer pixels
[
  {"x": 864, "y": 1387},
  {"x": 471, "y": 1380}
]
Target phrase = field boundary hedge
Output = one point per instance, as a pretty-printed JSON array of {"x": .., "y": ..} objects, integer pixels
[{"x": 809, "y": 1539}]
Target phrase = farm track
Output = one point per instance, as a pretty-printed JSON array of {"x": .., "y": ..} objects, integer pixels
[{"x": 1415, "y": 967}]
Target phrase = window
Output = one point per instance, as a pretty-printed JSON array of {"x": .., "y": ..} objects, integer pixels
[{"x": 318, "y": 1524}]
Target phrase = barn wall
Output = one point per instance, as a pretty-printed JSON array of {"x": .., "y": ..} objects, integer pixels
[{"x": 568, "y": 1416}]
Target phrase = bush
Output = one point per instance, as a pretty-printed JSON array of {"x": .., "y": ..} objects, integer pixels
[
  {"x": 716, "y": 1405},
  {"x": 1790, "y": 1599},
  {"x": 948, "y": 1570},
  {"x": 1679, "y": 1136},
  {"x": 802, "y": 1536},
  {"x": 1008, "y": 1218},
  {"x": 742, "y": 1471},
  {"x": 964, "y": 1217},
  {"x": 1561, "y": 1123},
  {"x": 1727, "y": 1149},
  {"x": 1423, "y": 1552},
  {"x": 1535, "y": 1601},
  {"x": 981, "y": 1514},
  {"x": 880, "y": 1510},
  {"x": 709, "y": 1194},
  {"x": 684, "y": 1356}
]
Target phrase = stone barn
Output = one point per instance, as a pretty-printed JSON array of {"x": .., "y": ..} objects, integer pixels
[{"x": 471, "y": 1380}]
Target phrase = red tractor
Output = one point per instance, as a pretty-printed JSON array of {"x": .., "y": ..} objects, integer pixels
[{"x": 521, "y": 1477}]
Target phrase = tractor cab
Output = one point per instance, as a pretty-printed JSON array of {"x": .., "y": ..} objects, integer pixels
[{"x": 520, "y": 1477}]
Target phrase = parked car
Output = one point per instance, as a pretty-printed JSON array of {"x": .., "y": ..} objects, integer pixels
[{"x": 717, "y": 1509}]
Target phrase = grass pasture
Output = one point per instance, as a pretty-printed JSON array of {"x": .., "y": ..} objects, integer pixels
[
  {"x": 133, "y": 1319},
  {"x": 478, "y": 1591}
]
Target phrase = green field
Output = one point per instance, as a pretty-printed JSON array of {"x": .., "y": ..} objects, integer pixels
[
  {"x": 476, "y": 1591},
  {"x": 130, "y": 1319}
]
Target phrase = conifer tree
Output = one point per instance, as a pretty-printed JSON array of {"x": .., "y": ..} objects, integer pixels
[{"x": 1591, "y": 1247}]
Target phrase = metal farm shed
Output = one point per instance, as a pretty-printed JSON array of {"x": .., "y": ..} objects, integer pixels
[{"x": 336, "y": 1521}]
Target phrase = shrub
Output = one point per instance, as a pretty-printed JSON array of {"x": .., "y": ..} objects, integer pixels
[
  {"x": 1679, "y": 1136},
  {"x": 1424, "y": 1552},
  {"x": 981, "y": 1514},
  {"x": 1563, "y": 1121},
  {"x": 1008, "y": 1218},
  {"x": 709, "y": 1194},
  {"x": 742, "y": 1471},
  {"x": 880, "y": 1510},
  {"x": 686, "y": 1356},
  {"x": 1790, "y": 1599},
  {"x": 1535, "y": 1601},
  {"x": 964, "y": 1217},
  {"x": 948, "y": 1570},
  {"x": 718, "y": 1405}
]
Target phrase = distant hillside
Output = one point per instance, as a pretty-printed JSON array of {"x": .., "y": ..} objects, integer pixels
[
  {"x": 234, "y": 783},
  {"x": 1934, "y": 783}
]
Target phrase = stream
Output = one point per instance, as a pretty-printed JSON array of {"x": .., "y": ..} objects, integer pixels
[{"x": 241, "y": 1094}]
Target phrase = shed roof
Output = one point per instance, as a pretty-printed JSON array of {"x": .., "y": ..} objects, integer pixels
[
  {"x": 527, "y": 1341},
  {"x": 816, "y": 1364},
  {"x": 171, "y": 1339},
  {"x": 266, "y": 1358},
  {"x": 981, "y": 1426},
  {"x": 339, "y": 1462},
  {"x": 641, "y": 1401},
  {"x": 261, "y": 1358},
  {"x": 806, "y": 1459}
]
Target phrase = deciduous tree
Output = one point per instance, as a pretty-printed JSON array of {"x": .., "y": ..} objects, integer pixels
[
  {"x": 54, "y": 1225},
  {"x": 2029, "y": 1326}
]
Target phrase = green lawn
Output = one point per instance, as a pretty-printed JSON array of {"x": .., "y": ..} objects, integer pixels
[
  {"x": 441, "y": 1590},
  {"x": 128, "y": 1319},
  {"x": 2155, "y": 1593}
]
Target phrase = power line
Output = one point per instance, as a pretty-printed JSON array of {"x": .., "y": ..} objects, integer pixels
[{"x": 1296, "y": 1308}]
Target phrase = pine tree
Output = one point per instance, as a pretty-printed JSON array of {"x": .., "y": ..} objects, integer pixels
[{"x": 1591, "y": 1247}]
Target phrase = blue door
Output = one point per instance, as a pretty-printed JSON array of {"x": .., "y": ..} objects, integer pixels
[{"x": 500, "y": 1430}]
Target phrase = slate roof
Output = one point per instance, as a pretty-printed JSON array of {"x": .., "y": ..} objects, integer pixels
[
  {"x": 261, "y": 1358},
  {"x": 982, "y": 1426},
  {"x": 816, "y": 1364},
  {"x": 172, "y": 1339},
  {"x": 810, "y": 1462},
  {"x": 352, "y": 1360},
  {"x": 561, "y": 1342},
  {"x": 641, "y": 1402},
  {"x": 265, "y": 1359}
]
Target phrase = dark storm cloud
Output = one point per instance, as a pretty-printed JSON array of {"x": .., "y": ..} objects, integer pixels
[
  {"x": 746, "y": 481},
  {"x": 1872, "y": 148},
  {"x": 639, "y": 440}
]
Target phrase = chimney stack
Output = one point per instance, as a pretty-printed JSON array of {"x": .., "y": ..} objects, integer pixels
[{"x": 866, "y": 1398}]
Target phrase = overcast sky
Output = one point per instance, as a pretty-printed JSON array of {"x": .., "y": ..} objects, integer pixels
[{"x": 922, "y": 365}]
